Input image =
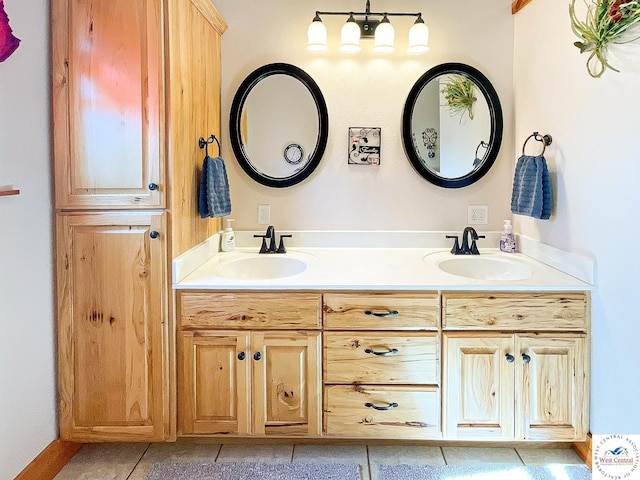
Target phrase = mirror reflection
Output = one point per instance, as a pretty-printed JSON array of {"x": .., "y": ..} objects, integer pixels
[
  {"x": 452, "y": 125},
  {"x": 279, "y": 125}
]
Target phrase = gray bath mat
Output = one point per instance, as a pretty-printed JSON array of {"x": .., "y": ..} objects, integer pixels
[
  {"x": 484, "y": 472},
  {"x": 254, "y": 471}
]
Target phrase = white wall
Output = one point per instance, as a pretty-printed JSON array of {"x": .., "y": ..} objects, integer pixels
[
  {"x": 368, "y": 90},
  {"x": 27, "y": 376},
  {"x": 595, "y": 166}
]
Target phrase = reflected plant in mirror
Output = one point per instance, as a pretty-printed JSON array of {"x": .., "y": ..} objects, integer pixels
[
  {"x": 278, "y": 125},
  {"x": 452, "y": 125}
]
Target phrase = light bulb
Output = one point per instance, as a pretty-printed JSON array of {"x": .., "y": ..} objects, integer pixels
[
  {"x": 418, "y": 38},
  {"x": 350, "y": 36},
  {"x": 384, "y": 37},
  {"x": 317, "y": 36}
]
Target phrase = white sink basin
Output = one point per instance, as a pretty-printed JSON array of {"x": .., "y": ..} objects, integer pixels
[
  {"x": 481, "y": 267},
  {"x": 261, "y": 267}
]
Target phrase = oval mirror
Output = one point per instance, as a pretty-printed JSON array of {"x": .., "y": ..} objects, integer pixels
[
  {"x": 452, "y": 125},
  {"x": 279, "y": 125}
]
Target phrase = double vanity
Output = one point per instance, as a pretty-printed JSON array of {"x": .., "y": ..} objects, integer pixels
[{"x": 371, "y": 335}]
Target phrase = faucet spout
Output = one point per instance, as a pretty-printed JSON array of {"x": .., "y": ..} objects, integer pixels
[
  {"x": 473, "y": 248},
  {"x": 271, "y": 235}
]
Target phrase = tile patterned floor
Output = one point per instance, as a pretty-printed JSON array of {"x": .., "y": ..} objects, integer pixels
[{"x": 130, "y": 461}]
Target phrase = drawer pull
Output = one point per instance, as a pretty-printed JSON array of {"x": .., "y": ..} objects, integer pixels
[
  {"x": 510, "y": 358},
  {"x": 526, "y": 358},
  {"x": 393, "y": 313},
  {"x": 257, "y": 356},
  {"x": 241, "y": 356},
  {"x": 393, "y": 351},
  {"x": 388, "y": 407}
]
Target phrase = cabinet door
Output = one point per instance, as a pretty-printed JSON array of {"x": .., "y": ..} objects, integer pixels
[
  {"x": 287, "y": 383},
  {"x": 553, "y": 396},
  {"x": 112, "y": 332},
  {"x": 478, "y": 386},
  {"x": 214, "y": 382},
  {"x": 108, "y": 103}
]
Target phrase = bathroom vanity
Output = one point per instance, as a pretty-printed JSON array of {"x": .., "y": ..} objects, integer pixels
[{"x": 381, "y": 343}]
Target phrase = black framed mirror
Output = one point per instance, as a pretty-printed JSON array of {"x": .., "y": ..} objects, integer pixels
[
  {"x": 452, "y": 125},
  {"x": 278, "y": 125}
]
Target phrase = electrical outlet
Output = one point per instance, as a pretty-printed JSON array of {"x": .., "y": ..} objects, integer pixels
[
  {"x": 478, "y": 214},
  {"x": 264, "y": 214}
]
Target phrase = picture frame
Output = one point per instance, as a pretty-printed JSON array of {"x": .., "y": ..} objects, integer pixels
[{"x": 364, "y": 145}]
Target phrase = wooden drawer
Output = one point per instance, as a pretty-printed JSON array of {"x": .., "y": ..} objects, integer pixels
[
  {"x": 389, "y": 357},
  {"x": 515, "y": 311},
  {"x": 381, "y": 311},
  {"x": 349, "y": 411},
  {"x": 240, "y": 310}
]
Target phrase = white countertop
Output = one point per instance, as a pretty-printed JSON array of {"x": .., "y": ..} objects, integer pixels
[{"x": 365, "y": 268}]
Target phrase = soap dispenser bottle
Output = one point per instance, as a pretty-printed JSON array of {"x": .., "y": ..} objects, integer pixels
[
  {"x": 508, "y": 239},
  {"x": 228, "y": 242}
]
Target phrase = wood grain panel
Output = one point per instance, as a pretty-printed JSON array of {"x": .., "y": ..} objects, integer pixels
[
  {"x": 554, "y": 394},
  {"x": 194, "y": 73},
  {"x": 478, "y": 386},
  {"x": 215, "y": 382},
  {"x": 350, "y": 357},
  {"x": 251, "y": 310},
  {"x": 381, "y": 311},
  {"x": 543, "y": 311},
  {"x": 108, "y": 111},
  {"x": 416, "y": 416},
  {"x": 111, "y": 332},
  {"x": 287, "y": 383}
]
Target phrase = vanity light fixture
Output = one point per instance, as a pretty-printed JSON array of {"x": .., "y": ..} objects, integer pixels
[{"x": 366, "y": 25}]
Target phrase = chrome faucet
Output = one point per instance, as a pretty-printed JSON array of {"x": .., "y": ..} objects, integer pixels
[
  {"x": 271, "y": 235},
  {"x": 466, "y": 249}
]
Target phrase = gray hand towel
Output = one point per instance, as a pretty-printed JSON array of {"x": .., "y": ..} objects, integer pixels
[
  {"x": 214, "y": 198},
  {"x": 531, "y": 188}
]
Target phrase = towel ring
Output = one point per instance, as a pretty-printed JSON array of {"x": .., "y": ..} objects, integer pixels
[
  {"x": 481, "y": 144},
  {"x": 545, "y": 139},
  {"x": 202, "y": 143}
]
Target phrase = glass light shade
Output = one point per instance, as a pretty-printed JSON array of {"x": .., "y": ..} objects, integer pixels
[
  {"x": 317, "y": 37},
  {"x": 384, "y": 37},
  {"x": 418, "y": 39},
  {"x": 350, "y": 37}
]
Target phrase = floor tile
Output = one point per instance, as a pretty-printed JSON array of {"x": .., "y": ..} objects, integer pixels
[
  {"x": 409, "y": 454},
  {"x": 103, "y": 461},
  {"x": 475, "y": 456},
  {"x": 548, "y": 456},
  {"x": 174, "y": 453},
  {"x": 255, "y": 453}
]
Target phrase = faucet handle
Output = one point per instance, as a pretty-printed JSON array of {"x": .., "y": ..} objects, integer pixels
[
  {"x": 263, "y": 248},
  {"x": 456, "y": 250},
  {"x": 474, "y": 247},
  {"x": 281, "y": 248}
]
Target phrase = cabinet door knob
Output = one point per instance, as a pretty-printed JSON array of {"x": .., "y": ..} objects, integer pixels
[
  {"x": 526, "y": 358},
  {"x": 510, "y": 358},
  {"x": 393, "y": 351},
  {"x": 241, "y": 356},
  {"x": 382, "y": 315},
  {"x": 257, "y": 356},
  {"x": 388, "y": 407},
  {"x": 153, "y": 186},
  {"x": 154, "y": 234}
]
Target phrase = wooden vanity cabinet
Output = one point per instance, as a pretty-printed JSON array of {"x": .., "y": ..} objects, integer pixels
[
  {"x": 259, "y": 378},
  {"x": 515, "y": 366},
  {"x": 112, "y": 325},
  {"x": 381, "y": 365},
  {"x": 135, "y": 83}
]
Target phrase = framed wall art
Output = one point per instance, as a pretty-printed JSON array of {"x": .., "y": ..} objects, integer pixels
[{"x": 364, "y": 145}]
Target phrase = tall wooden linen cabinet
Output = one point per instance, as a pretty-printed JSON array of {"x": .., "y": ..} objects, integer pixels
[{"x": 135, "y": 84}]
